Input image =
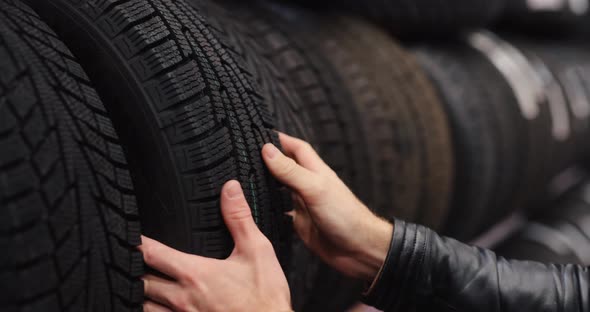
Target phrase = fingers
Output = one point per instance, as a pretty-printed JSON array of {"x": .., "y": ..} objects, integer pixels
[
  {"x": 303, "y": 153},
  {"x": 150, "y": 306},
  {"x": 286, "y": 170},
  {"x": 165, "y": 259},
  {"x": 237, "y": 214},
  {"x": 168, "y": 293},
  {"x": 160, "y": 290}
]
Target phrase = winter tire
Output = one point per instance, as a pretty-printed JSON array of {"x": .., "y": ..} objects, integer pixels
[{"x": 69, "y": 223}]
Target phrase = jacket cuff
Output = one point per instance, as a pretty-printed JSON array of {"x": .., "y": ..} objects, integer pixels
[{"x": 395, "y": 287}]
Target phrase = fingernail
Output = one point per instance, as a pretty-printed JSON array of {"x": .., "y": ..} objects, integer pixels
[
  {"x": 271, "y": 151},
  {"x": 234, "y": 189}
]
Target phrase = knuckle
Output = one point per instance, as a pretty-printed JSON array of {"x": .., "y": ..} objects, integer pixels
[
  {"x": 289, "y": 168},
  {"x": 185, "y": 275},
  {"x": 263, "y": 244},
  {"x": 147, "y": 255},
  {"x": 241, "y": 212},
  {"x": 181, "y": 303},
  {"x": 192, "y": 282},
  {"x": 305, "y": 147},
  {"x": 317, "y": 186}
]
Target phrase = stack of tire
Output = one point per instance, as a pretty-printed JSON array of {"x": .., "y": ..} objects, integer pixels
[
  {"x": 125, "y": 117},
  {"x": 116, "y": 114},
  {"x": 359, "y": 108},
  {"x": 519, "y": 116},
  {"x": 160, "y": 114}
]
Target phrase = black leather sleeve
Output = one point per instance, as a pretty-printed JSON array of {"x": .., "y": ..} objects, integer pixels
[{"x": 427, "y": 272}]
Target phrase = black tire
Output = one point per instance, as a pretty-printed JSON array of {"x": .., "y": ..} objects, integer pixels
[
  {"x": 474, "y": 141},
  {"x": 396, "y": 99},
  {"x": 494, "y": 139},
  {"x": 335, "y": 132},
  {"x": 398, "y": 130},
  {"x": 186, "y": 108},
  {"x": 417, "y": 18},
  {"x": 567, "y": 62},
  {"x": 69, "y": 223},
  {"x": 512, "y": 136},
  {"x": 250, "y": 35},
  {"x": 317, "y": 108}
]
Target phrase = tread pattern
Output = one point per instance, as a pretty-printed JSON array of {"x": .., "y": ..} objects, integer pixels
[
  {"x": 309, "y": 103},
  {"x": 383, "y": 119},
  {"x": 68, "y": 217},
  {"x": 249, "y": 34},
  {"x": 189, "y": 111}
]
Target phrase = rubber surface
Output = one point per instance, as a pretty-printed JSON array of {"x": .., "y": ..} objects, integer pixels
[
  {"x": 319, "y": 109},
  {"x": 248, "y": 31},
  {"x": 404, "y": 118},
  {"x": 511, "y": 135},
  {"x": 561, "y": 66},
  {"x": 187, "y": 109},
  {"x": 567, "y": 62},
  {"x": 68, "y": 217},
  {"x": 507, "y": 158},
  {"x": 417, "y": 18},
  {"x": 399, "y": 130},
  {"x": 474, "y": 141}
]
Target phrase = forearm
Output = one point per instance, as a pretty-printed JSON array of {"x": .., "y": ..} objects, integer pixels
[{"x": 426, "y": 270}]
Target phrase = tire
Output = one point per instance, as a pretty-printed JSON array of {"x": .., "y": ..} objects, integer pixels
[
  {"x": 187, "y": 110},
  {"x": 561, "y": 139},
  {"x": 69, "y": 223},
  {"x": 418, "y": 18},
  {"x": 391, "y": 90},
  {"x": 309, "y": 102},
  {"x": 512, "y": 135},
  {"x": 398, "y": 129},
  {"x": 566, "y": 60},
  {"x": 560, "y": 235},
  {"x": 475, "y": 143},
  {"x": 509, "y": 157},
  {"x": 249, "y": 34}
]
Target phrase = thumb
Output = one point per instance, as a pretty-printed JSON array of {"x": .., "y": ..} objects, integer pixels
[{"x": 237, "y": 215}]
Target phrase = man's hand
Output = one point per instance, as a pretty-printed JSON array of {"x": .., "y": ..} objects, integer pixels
[
  {"x": 251, "y": 279},
  {"x": 328, "y": 217}
]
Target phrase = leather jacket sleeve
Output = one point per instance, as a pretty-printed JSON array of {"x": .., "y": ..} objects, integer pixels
[{"x": 426, "y": 272}]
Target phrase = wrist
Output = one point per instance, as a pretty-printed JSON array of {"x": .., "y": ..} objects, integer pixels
[{"x": 373, "y": 251}]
